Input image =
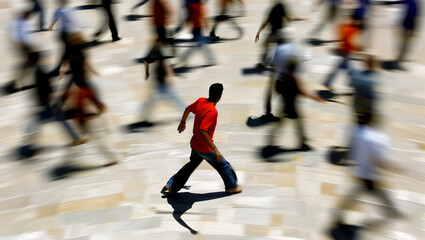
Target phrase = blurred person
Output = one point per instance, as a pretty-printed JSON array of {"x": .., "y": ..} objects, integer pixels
[
  {"x": 408, "y": 26},
  {"x": 202, "y": 144},
  {"x": 164, "y": 81},
  {"x": 162, "y": 13},
  {"x": 47, "y": 110},
  {"x": 106, "y": 5},
  {"x": 38, "y": 8},
  {"x": 332, "y": 9},
  {"x": 69, "y": 24},
  {"x": 21, "y": 36},
  {"x": 369, "y": 148},
  {"x": 364, "y": 84},
  {"x": 197, "y": 18},
  {"x": 224, "y": 6},
  {"x": 277, "y": 18},
  {"x": 77, "y": 63},
  {"x": 349, "y": 33},
  {"x": 277, "y": 59},
  {"x": 83, "y": 92},
  {"x": 289, "y": 87}
]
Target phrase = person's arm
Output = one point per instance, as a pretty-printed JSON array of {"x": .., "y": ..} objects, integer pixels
[
  {"x": 210, "y": 143},
  {"x": 305, "y": 93},
  {"x": 263, "y": 25},
  {"x": 146, "y": 69},
  {"x": 91, "y": 68},
  {"x": 63, "y": 69},
  {"x": 182, "y": 124},
  {"x": 55, "y": 19}
]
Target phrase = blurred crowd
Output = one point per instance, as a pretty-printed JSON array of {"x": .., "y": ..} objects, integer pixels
[{"x": 77, "y": 101}]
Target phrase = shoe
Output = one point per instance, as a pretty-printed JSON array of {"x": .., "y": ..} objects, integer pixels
[
  {"x": 213, "y": 37},
  {"x": 116, "y": 39},
  {"x": 235, "y": 190},
  {"x": 78, "y": 142},
  {"x": 304, "y": 147},
  {"x": 111, "y": 163},
  {"x": 166, "y": 189}
]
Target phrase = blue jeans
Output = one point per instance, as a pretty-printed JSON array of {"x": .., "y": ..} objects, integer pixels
[
  {"x": 224, "y": 168},
  {"x": 343, "y": 65}
]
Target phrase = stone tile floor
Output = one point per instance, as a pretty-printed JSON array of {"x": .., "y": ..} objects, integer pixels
[{"x": 291, "y": 197}]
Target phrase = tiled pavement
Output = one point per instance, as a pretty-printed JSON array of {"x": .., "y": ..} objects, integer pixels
[{"x": 291, "y": 197}]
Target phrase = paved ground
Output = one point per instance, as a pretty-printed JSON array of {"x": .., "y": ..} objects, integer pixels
[{"x": 290, "y": 197}]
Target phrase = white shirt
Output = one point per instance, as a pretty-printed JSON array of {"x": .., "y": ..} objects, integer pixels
[
  {"x": 368, "y": 147},
  {"x": 280, "y": 56}
]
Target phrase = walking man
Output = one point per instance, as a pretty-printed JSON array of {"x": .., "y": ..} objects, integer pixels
[{"x": 202, "y": 144}]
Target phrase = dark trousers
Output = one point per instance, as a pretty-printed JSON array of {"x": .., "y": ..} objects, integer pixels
[
  {"x": 224, "y": 168},
  {"x": 106, "y": 4},
  {"x": 39, "y": 9}
]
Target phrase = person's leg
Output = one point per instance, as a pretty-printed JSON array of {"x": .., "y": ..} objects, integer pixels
[
  {"x": 139, "y": 4},
  {"x": 388, "y": 205},
  {"x": 39, "y": 9},
  {"x": 237, "y": 27},
  {"x": 406, "y": 35},
  {"x": 150, "y": 104},
  {"x": 331, "y": 77},
  {"x": 223, "y": 168},
  {"x": 171, "y": 94},
  {"x": 178, "y": 180},
  {"x": 209, "y": 56},
  {"x": 58, "y": 116},
  {"x": 112, "y": 26}
]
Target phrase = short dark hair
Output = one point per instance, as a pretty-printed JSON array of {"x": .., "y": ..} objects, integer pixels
[
  {"x": 215, "y": 92},
  {"x": 365, "y": 117}
]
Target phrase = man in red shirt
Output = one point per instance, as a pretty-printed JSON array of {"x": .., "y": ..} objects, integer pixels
[{"x": 202, "y": 144}]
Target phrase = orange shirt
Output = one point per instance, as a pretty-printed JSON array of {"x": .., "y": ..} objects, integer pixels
[
  {"x": 205, "y": 119},
  {"x": 348, "y": 32}
]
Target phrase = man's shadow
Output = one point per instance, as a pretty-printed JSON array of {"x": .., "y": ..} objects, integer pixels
[{"x": 184, "y": 201}]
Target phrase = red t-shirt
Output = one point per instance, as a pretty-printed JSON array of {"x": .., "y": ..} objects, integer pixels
[{"x": 205, "y": 119}]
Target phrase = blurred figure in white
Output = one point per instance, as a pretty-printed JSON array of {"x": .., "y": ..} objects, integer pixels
[{"x": 21, "y": 33}]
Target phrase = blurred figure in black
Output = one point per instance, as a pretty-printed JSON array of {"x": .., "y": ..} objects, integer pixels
[
  {"x": 38, "y": 8},
  {"x": 275, "y": 19},
  {"x": 106, "y": 5},
  {"x": 222, "y": 17},
  {"x": 289, "y": 87}
]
